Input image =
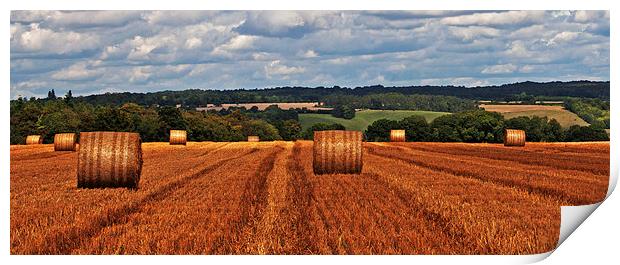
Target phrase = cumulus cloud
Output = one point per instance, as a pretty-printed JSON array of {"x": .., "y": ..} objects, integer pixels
[
  {"x": 497, "y": 18},
  {"x": 276, "y": 68},
  {"x": 499, "y": 69},
  {"x": 94, "y": 51},
  {"x": 78, "y": 19},
  {"x": 82, "y": 71},
  {"x": 34, "y": 39}
]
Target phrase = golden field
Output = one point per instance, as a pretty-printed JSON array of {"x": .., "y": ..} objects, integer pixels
[{"x": 263, "y": 198}]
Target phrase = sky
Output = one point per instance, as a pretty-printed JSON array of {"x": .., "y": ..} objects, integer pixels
[{"x": 94, "y": 52}]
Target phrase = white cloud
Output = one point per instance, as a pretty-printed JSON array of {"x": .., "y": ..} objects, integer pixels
[
  {"x": 498, "y": 18},
  {"x": 563, "y": 37},
  {"x": 474, "y": 32},
  {"x": 152, "y": 50},
  {"x": 499, "y": 69},
  {"x": 192, "y": 43},
  {"x": 307, "y": 54},
  {"x": 78, "y": 72},
  {"x": 590, "y": 15},
  {"x": 76, "y": 19},
  {"x": 241, "y": 42},
  {"x": 41, "y": 40},
  {"x": 275, "y": 68},
  {"x": 397, "y": 67}
]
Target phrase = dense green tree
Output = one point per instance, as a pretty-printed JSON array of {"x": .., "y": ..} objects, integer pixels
[
  {"x": 211, "y": 127},
  {"x": 172, "y": 118},
  {"x": 445, "y": 129},
  {"x": 416, "y": 128},
  {"x": 594, "y": 111},
  {"x": 538, "y": 129},
  {"x": 309, "y": 132},
  {"x": 262, "y": 129},
  {"x": 468, "y": 126},
  {"x": 62, "y": 121},
  {"x": 379, "y": 131},
  {"x": 343, "y": 111},
  {"x": 578, "y": 133},
  {"x": 290, "y": 130},
  {"x": 111, "y": 119}
]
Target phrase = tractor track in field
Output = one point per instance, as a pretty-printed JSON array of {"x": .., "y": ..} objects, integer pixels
[
  {"x": 543, "y": 192},
  {"x": 50, "y": 155},
  {"x": 254, "y": 198},
  {"x": 302, "y": 201},
  {"x": 442, "y": 223},
  {"x": 206, "y": 153},
  {"x": 517, "y": 158},
  {"x": 67, "y": 242}
]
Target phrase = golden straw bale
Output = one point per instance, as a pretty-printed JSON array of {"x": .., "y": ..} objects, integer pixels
[
  {"x": 337, "y": 152},
  {"x": 514, "y": 137},
  {"x": 109, "y": 159},
  {"x": 178, "y": 137},
  {"x": 397, "y": 136},
  {"x": 34, "y": 139},
  {"x": 64, "y": 142}
]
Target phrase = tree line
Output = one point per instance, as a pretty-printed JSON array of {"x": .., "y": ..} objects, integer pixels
[
  {"x": 481, "y": 126},
  {"x": 192, "y": 98},
  {"x": 593, "y": 111},
  {"x": 398, "y": 101},
  {"x": 48, "y": 117}
]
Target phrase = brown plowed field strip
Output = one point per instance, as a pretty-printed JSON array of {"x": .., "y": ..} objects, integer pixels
[{"x": 263, "y": 198}]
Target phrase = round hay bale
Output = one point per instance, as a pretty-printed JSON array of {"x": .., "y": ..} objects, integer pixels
[
  {"x": 64, "y": 142},
  {"x": 514, "y": 137},
  {"x": 34, "y": 139},
  {"x": 109, "y": 159},
  {"x": 337, "y": 152},
  {"x": 397, "y": 136},
  {"x": 178, "y": 137},
  {"x": 253, "y": 138}
]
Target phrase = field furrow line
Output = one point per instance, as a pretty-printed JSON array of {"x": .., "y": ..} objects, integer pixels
[
  {"x": 558, "y": 195},
  {"x": 550, "y": 161},
  {"x": 65, "y": 242},
  {"x": 268, "y": 231},
  {"x": 491, "y": 219},
  {"x": 253, "y": 205},
  {"x": 306, "y": 228},
  {"x": 38, "y": 157}
]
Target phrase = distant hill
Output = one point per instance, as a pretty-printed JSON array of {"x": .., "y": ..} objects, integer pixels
[
  {"x": 559, "y": 113},
  {"x": 198, "y": 97},
  {"x": 365, "y": 117}
]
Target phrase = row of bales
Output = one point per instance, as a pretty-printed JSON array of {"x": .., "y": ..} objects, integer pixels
[{"x": 114, "y": 159}]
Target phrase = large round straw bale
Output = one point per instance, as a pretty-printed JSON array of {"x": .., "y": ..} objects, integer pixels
[
  {"x": 514, "y": 137},
  {"x": 337, "y": 152},
  {"x": 253, "y": 138},
  {"x": 397, "y": 135},
  {"x": 64, "y": 142},
  {"x": 109, "y": 159},
  {"x": 34, "y": 139},
  {"x": 178, "y": 137}
]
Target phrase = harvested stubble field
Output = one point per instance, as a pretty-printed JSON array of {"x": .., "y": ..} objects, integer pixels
[{"x": 263, "y": 198}]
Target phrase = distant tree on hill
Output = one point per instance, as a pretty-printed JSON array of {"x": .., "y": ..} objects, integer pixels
[
  {"x": 51, "y": 94},
  {"x": 538, "y": 129},
  {"x": 416, "y": 128},
  {"x": 343, "y": 111},
  {"x": 262, "y": 129},
  {"x": 578, "y": 133},
  {"x": 290, "y": 130},
  {"x": 309, "y": 133},
  {"x": 379, "y": 131}
]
